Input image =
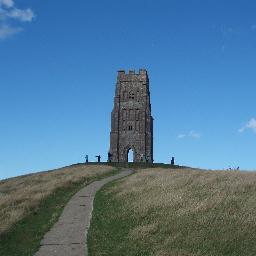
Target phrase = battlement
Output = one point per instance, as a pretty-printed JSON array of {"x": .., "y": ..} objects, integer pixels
[{"x": 131, "y": 73}]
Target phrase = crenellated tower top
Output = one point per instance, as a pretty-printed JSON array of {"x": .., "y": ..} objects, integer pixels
[{"x": 131, "y": 75}]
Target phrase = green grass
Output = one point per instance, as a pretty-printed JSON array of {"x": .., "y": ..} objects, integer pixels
[
  {"x": 24, "y": 237},
  {"x": 179, "y": 212},
  {"x": 137, "y": 166},
  {"x": 108, "y": 233}
]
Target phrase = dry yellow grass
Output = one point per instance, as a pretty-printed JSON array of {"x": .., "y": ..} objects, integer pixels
[
  {"x": 19, "y": 195},
  {"x": 189, "y": 212}
]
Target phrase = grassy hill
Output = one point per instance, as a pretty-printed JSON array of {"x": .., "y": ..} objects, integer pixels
[
  {"x": 176, "y": 212},
  {"x": 156, "y": 211},
  {"x": 31, "y": 204}
]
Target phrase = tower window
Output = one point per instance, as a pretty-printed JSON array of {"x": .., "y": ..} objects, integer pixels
[
  {"x": 130, "y": 127},
  {"x": 131, "y": 95}
]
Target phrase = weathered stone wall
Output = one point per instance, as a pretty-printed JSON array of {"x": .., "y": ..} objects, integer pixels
[{"x": 131, "y": 120}]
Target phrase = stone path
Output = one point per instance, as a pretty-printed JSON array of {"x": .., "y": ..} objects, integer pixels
[{"x": 68, "y": 236}]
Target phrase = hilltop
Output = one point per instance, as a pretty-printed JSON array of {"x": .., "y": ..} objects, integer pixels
[{"x": 159, "y": 210}]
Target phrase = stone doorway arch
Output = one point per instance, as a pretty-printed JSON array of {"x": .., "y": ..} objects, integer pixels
[
  {"x": 130, "y": 156},
  {"x": 130, "y": 149}
]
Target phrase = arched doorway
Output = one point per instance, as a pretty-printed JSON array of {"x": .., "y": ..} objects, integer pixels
[{"x": 130, "y": 155}]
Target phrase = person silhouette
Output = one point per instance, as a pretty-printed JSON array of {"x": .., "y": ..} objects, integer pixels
[{"x": 98, "y": 157}]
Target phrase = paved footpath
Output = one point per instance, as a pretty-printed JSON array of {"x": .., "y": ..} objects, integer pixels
[{"x": 68, "y": 236}]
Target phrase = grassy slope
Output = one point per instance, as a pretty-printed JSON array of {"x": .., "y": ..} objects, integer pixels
[
  {"x": 176, "y": 212},
  {"x": 24, "y": 236}
]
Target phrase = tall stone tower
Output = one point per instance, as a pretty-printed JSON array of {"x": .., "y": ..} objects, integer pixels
[{"x": 131, "y": 120}]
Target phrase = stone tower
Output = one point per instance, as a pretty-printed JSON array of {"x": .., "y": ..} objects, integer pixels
[{"x": 131, "y": 120}]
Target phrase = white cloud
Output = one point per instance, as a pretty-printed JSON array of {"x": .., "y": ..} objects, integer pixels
[
  {"x": 191, "y": 134},
  {"x": 22, "y": 15},
  {"x": 9, "y": 14},
  {"x": 7, "y": 31},
  {"x": 7, "y": 3},
  {"x": 194, "y": 134},
  {"x": 251, "y": 125},
  {"x": 181, "y": 136}
]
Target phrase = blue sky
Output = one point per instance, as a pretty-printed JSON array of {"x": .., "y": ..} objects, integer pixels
[{"x": 58, "y": 67}]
